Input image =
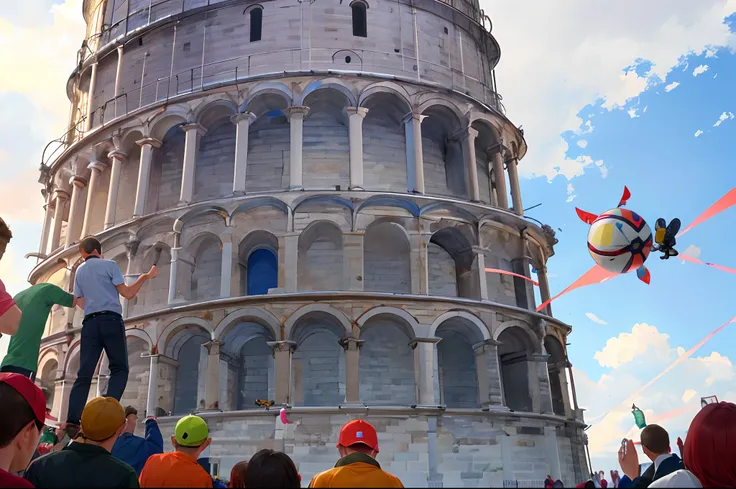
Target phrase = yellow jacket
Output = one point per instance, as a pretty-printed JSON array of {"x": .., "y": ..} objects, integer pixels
[{"x": 355, "y": 470}]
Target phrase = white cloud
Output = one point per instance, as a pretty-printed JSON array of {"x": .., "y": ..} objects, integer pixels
[
  {"x": 644, "y": 110},
  {"x": 595, "y": 318},
  {"x": 710, "y": 53},
  {"x": 698, "y": 133},
  {"x": 688, "y": 394},
  {"x": 715, "y": 76},
  {"x": 724, "y": 117},
  {"x": 570, "y": 193},
  {"x": 671, "y": 402},
  {"x": 583, "y": 54},
  {"x": 628, "y": 346},
  {"x": 602, "y": 168},
  {"x": 582, "y": 143},
  {"x": 699, "y": 70},
  {"x": 671, "y": 86},
  {"x": 692, "y": 251},
  {"x": 632, "y": 113}
]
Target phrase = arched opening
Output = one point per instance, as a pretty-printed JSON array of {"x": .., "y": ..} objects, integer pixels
[
  {"x": 386, "y": 259},
  {"x": 503, "y": 250},
  {"x": 386, "y": 359},
  {"x": 47, "y": 380},
  {"x": 128, "y": 183},
  {"x": 206, "y": 267},
  {"x": 458, "y": 373},
  {"x": 246, "y": 366},
  {"x": 384, "y": 143},
  {"x": 269, "y": 142},
  {"x": 156, "y": 294},
  {"x": 484, "y": 144},
  {"x": 256, "y": 24},
  {"x": 136, "y": 390},
  {"x": 326, "y": 163},
  {"x": 320, "y": 265},
  {"x": 360, "y": 19},
  {"x": 514, "y": 357},
  {"x": 166, "y": 171},
  {"x": 452, "y": 265},
  {"x": 213, "y": 175},
  {"x": 444, "y": 165},
  {"x": 556, "y": 369},
  {"x": 259, "y": 268},
  {"x": 188, "y": 348},
  {"x": 318, "y": 364}
]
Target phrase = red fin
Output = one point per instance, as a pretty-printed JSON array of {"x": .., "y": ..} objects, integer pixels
[
  {"x": 586, "y": 217},
  {"x": 643, "y": 274},
  {"x": 625, "y": 197}
]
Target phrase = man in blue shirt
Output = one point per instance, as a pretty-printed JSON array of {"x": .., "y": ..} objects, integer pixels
[
  {"x": 134, "y": 450},
  {"x": 97, "y": 287}
]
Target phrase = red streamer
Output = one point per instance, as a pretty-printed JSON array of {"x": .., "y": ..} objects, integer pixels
[
  {"x": 721, "y": 205},
  {"x": 712, "y": 265},
  {"x": 595, "y": 275},
  {"x": 506, "y": 272}
]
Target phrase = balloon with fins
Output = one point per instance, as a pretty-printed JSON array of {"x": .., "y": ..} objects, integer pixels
[{"x": 620, "y": 240}]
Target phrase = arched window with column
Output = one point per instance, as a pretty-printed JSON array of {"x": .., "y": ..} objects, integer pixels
[
  {"x": 556, "y": 369},
  {"x": 320, "y": 263},
  {"x": 514, "y": 357},
  {"x": 386, "y": 259},
  {"x": 451, "y": 262},
  {"x": 360, "y": 18}
]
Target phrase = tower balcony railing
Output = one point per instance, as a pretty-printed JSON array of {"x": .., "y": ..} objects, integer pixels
[{"x": 243, "y": 69}]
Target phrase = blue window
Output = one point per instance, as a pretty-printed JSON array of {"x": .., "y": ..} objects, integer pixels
[{"x": 263, "y": 272}]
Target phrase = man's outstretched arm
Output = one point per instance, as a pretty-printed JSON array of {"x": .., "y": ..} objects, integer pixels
[{"x": 130, "y": 291}]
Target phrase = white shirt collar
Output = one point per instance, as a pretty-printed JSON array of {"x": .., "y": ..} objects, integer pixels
[{"x": 659, "y": 460}]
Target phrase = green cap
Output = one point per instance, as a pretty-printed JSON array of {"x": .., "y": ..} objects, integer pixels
[{"x": 191, "y": 431}]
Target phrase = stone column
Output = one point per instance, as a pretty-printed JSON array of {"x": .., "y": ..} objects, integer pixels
[
  {"x": 226, "y": 263},
  {"x": 414, "y": 156},
  {"x": 212, "y": 387},
  {"x": 152, "y": 398},
  {"x": 144, "y": 174},
  {"x": 60, "y": 197},
  {"x": 560, "y": 367},
  {"x": 296, "y": 117},
  {"x": 489, "y": 374},
  {"x": 352, "y": 245},
  {"x": 482, "y": 282},
  {"x": 467, "y": 136},
  {"x": 62, "y": 389},
  {"x": 500, "y": 177},
  {"x": 191, "y": 146},
  {"x": 282, "y": 351},
  {"x": 544, "y": 293},
  {"x": 131, "y": 248},
  {"x": 288, "y": 258},
  {"x": 242, "y": 123},
  {"x": 96, "y": 168},
  {"x": 46, "y": 230},
  {"x": 75, "y": 209},
  {"x": 172, "y": 274},
  {"x": 539, "y": 383},
  {"x": 426, "y": 370},
  {"x": 355, "y": 120},
  {"x": 352, "y": 362},
  {"x": 552, "y": 451},
  {"x": 118, "y": 158},
  {"x": 118, "y": 72},
  {"x": 420, "y": 266},
  {"x": 512, "y": 164},
  {"x": 90, "y": 97}
]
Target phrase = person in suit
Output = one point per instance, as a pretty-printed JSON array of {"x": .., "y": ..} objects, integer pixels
[{"x": 655, "y": 442}]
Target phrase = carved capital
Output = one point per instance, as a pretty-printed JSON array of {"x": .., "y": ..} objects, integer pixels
[
  {"x": 78, "y": 181},
  {"x": 248, "y": 117},
  {"x": 193, "y": 126},
  {"x": 359, "y": 111},
  {"x": 351, "y": 344},
  {"x": 413, "y": 117},
  {"x": 153, "y": 142},
  {"x": 213, "y": 347},
  {"x": 117, "y": 154},
  {"x": 97, "y": 166},
  {"x": 282, "y": 346},
  {"x": 61, "y": 195},
  {"x": 416, "y": 341},
  {"x": 131, "y": 247},
  {"x": 298, "y": 111}
]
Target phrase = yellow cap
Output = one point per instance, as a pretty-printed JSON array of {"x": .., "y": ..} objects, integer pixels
[{"x": 101, "y": 418}]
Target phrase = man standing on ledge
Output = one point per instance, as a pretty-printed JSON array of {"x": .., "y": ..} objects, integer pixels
[{"x": 97, "y": 285}]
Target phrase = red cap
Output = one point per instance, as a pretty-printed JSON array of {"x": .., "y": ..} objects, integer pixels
[
  {"x": 359, "y": 431},
  {"x": 30, "y": 392}
]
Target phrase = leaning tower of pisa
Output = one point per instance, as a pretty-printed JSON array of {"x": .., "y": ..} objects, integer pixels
[{"x": 322, "y": 184}]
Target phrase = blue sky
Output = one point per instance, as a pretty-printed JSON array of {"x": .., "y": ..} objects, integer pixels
[{"x": 571, "y": 71}]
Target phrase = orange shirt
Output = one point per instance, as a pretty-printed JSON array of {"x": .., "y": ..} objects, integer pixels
[
  {"x": 356, "y": 470},
  {"x": 174, "y": 469}
]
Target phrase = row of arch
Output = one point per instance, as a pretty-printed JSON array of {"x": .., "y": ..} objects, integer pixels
[{"x": 387, "y": 366}]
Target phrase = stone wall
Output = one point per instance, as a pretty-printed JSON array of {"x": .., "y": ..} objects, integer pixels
[
  {"x": 451, "y": 450},
  {"x": 166, "y": 172},
  {"x": 384, "y": 152},
  {"x": 387, "y": 261},
  {"x": 326, "y": 158},
  {"x": 268, "y": 155},
  {"x": 319, "y": 371},
  {"x": 442, "y": 275},
  {"x": 215, "y": 162},
  {"x": 386, "y": 366}
]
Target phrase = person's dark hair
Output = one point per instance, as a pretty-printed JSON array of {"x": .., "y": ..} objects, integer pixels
[
  {"x": 237, "y": 474},
  {"x": 5, "y": 232},
  {"x": 15, "y": 413},
  {"x": 130, "y": 410},
  {"x": 361, "y": 447},
  {"x": 655, "y": 439},
  {"x": 269, "y": 468},
  {"x": 90, "y": 244}
]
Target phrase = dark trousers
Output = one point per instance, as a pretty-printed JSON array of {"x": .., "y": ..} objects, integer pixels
[
  {"x": 19, "y": 370},
  {"x": 104, "y": 331}
]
